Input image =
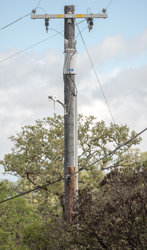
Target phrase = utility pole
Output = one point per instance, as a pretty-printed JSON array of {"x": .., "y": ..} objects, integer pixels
[
  {"x": 70, "y": 99},
  {"x": 71, "y": 189}
]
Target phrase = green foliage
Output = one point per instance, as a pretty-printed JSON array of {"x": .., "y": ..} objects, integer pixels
[
  {"x": 37, "y": 221},
  {"x": 144, "y": 160},
  {"x": 39, "y": 150},
  {"x": 115, "y": 215},
  {"x": 112, "y": 216},
  {"x": 14, "y": 215}
]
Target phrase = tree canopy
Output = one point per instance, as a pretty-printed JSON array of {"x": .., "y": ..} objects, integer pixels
[
  {"x": 39, "y": 149},
  {"x": 112, "y": 193},
  {"x": 14, "y": 216}
]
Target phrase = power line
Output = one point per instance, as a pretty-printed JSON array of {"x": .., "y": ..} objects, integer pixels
[
  {"x": 106, "y": 7},
  {"x": 20, "y": 17},
  {"x": 30, "y": 47},
  {"x": 59, "y": 32},
  {"x": 113, "y": 151},
  {"x": 15, "y": 21},
  {"x": 41, "y": 9},
  {"x": 61, "y": 179},
  {"x": 40, "y": 41},
  {"x": 88, "y": 11},
  {"x": 27, "y": 192},
  {"x": 109, "y": 4},
  {"x": 81, "y": 31},
  {"x": 38, "y": 4},
  {"x": 96, "y": 74}
]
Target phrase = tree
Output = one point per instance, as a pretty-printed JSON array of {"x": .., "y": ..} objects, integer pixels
[
  {"x": 21, "y": 225},
  {"x": 37, "y": 158},
  {"x": 115, "y": 215},
  {"x": 14, "y": 215},
  {"x": 39, "y": 149}
]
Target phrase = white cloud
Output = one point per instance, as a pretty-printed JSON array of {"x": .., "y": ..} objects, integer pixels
[
  {"x": 28, "y": 79},
  {"x": 113, "y": 47}
]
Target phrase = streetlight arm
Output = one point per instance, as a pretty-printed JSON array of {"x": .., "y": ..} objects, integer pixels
[
  {"x": 55, "y": 99},
  {"x": 61, "y": 103},
  {"x": 64, "y": 106}
]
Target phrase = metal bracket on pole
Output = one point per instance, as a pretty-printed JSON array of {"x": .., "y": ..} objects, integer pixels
[
  {"x": 64, "y": 106},
  {"x": 69, "y": 19},
  {"x": 68, "y": 178},
  {"x": 65, "y": 110},
  {"x": 55, "y": 99}
]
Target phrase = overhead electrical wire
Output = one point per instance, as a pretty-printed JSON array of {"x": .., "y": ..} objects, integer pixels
[
  {"x": 40, "y": 41},
  {"x": 61, "y": 179},
  {"x": 106, "y": 7},
  {"x": 113, "y": 151},
  {"x": 21, "y": 17},
  {"x": 14, "y": 21},
  {"x": 88, "y": 11},
  {"x": 42, "y": 9},
  {"x": 109, "y": 4},
  {"x": 38, "y": 4},
  {"x": 59, "y": 32},
  {"x": 27, "y": 192},
  {"x": 19, "y": 52},
  {"x": 81, "y": 31},
  {"x": 95, "y": 74}
]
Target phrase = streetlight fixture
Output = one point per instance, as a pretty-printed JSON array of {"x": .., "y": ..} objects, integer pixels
[{"x": 55, "y": 99}]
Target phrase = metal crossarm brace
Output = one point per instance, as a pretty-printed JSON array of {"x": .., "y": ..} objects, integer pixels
[{"x": 50, "y": 16}]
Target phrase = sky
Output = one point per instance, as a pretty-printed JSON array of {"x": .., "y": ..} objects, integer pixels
[{"x": 31, "y": 65}]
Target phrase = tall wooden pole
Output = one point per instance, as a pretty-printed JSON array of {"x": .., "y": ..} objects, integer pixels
[
  {"x": 71, "y": 189},
  {"x": 69, "y": 99}
]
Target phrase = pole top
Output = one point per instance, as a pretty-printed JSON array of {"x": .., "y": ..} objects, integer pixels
[{"x": 69, "y": 8}]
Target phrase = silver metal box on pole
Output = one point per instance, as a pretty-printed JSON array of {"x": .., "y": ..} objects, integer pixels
[{"x": 70, "y": 66}]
